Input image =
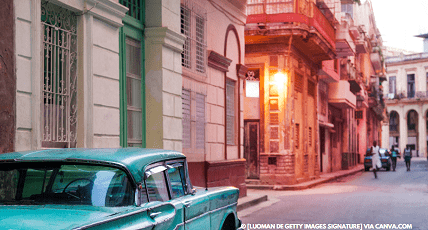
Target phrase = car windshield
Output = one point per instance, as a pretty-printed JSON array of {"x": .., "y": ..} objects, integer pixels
[{"x": 74, "y": 184}]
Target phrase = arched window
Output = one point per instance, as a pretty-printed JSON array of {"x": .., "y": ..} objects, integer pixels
[
  {"x": 393, "y": 122},
  {"x": 412, "y": 120},
  {"x": 427, "y": 117}
]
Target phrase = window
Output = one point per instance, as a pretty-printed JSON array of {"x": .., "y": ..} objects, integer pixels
[
  {"x": 193, "y": 26},
  {"x": 200, "y": 121},
  {"x": 393, "y": 122},
  {"x": 177, "y": 178},
  {"x": 156, "y": 185},
  {"x": 230, "y": 112},
  {"x": 252, "y": 83},
  {"x": 135, "y": 8},
  {"x": 193, "y": 120},
  {"x": 133, "y": 91},
  {"x": 67, "y": 184},
  {"x": 392, "y": 85},
  {"x": 426, "y": 91},
  {"x": 298, "y": 85},
  {"x": 131, "y": 77},
  {"x": 297, "y": 136},
  {"x": 348, "y": 9},
  {"x": 311, "y": 88},
  {"x": 412, "y": 119},
  {"x": 410, "y": 85},
  {"x": 59, "y": 89},
  {"x": 359, "y": 114},
  {"x": 166, "y": 181},
  {"x": 186, "y": 118}
]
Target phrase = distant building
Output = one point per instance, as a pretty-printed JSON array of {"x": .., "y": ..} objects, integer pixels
[
  {"x": 391, "y": 51},
  {"x": 406, "y": 93},
  {"x": 312, "y": 101},
  {"x": 425, "y": 37}
]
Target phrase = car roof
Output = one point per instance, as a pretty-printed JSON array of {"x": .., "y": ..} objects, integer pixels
[{"x": 133, "y": 159}]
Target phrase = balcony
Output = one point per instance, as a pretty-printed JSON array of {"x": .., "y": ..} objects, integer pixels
[
  {"x": 274, "y": 22},
  {"x": 418, "y": 95},
  {"x": 340, "y": 95},
  {"x": 344, "y": 42},
  {"x": 361, "y": 46},
  {"x": 376, "y": 60},
  {"x": 328, "y": 72},
  {"x": 349, "y": 73}
]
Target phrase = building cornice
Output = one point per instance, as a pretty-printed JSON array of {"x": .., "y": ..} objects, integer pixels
[
  {"x": 241, "y": 70},
  {"x": 105, "y": 10},
  {"x": 166, "y": 37},
  {"x": 218, "y": 61}
]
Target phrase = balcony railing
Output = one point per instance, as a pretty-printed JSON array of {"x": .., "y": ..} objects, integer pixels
[
  {"x": 408, "y": 95},
  {"x": 406, "y": 57},
  {"x": 270, "y": 6},
  {"x": 393, "y": 128},
  {"x": 280, "y": 11}
]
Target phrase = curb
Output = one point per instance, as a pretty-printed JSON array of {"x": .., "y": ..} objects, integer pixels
[
  {"x": 304, "y": 185},
  {"x": 247, "y": 202},
  {"x": 251, "y": 203}
]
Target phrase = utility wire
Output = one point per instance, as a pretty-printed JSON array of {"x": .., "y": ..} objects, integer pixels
[{"x": 227, "y": 14}]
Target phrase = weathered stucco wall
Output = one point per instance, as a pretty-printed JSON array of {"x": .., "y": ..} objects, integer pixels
[{"x": 7, "y": 78}]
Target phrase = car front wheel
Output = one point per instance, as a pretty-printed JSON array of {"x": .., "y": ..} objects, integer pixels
[
  {"x": 366, "y": 169},
  {"x": 229, "y": 223}
]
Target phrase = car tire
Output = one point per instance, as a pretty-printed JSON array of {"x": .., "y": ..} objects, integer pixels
[
  {"x": 388, "y": 168},
  {"x": 228, "y": 223},
  {"x": 366, "y": 169}
]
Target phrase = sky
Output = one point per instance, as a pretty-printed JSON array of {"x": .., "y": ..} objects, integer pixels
[{"x": 400, "y": 20}]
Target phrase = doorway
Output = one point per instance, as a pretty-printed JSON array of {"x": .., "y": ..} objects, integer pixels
[
  {"x": 322, "y": 147},
  {"x": 251, "y": 149}
]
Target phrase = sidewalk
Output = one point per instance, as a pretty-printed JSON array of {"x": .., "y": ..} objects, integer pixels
[{"x": 253, "y": 199}]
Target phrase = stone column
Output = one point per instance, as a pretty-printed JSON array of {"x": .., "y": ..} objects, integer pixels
[
  {"x": 163, "y": 88},
  {"x": 403, "y": 129},
  {"x": 422, "y": 133}
]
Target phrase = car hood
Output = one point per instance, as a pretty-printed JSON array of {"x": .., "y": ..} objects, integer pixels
[{"x": 34, "y": 217}]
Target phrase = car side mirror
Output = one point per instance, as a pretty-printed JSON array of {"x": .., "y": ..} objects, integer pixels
[{"x": 193, "y": 191}]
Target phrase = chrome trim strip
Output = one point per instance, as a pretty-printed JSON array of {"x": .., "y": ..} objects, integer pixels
[
  {"x": 202, "y": 215},
  {"x": 127, "y": 215}
]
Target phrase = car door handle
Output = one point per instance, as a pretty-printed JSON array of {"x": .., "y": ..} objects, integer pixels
[
  {"x": 187, "y": 203},
  {"x": 154, "y": 214}
]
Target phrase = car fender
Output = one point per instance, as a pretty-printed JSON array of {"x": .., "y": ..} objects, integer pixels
[{"x": 232, "y": 212}]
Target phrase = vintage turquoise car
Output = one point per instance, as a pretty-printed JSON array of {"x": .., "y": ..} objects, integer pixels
[{"x": 129, "y": 188}]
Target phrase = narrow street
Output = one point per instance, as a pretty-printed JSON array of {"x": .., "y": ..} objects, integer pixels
[{"x": 398, "y": 197}]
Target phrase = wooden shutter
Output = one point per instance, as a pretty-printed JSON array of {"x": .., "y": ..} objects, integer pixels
[
  {"x": 230, "y": 112},
  {"x": 186, "y": 118},
  {"x": 200, "y": 121}
]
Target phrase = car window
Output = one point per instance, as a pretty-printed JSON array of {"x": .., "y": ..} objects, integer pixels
[
  {"x": 8, "y": 184},
  {"x": 157, "y": 189},
  {"x": 177, "y": 179},
  {"x": 70, "y": 184},
  {"x": 35, "y": 182}
]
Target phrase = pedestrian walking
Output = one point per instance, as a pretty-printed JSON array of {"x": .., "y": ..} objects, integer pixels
[
  {"x": 407, "y": 157},
  {"x": 376, "y": 164},
  {"x": 394, "y": 155}
]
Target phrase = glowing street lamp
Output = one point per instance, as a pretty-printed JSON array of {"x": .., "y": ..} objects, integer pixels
[{"x": 280, "y": 78}]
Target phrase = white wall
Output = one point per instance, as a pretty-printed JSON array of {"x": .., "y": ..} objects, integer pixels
[{"x": 98, "y": 72}]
